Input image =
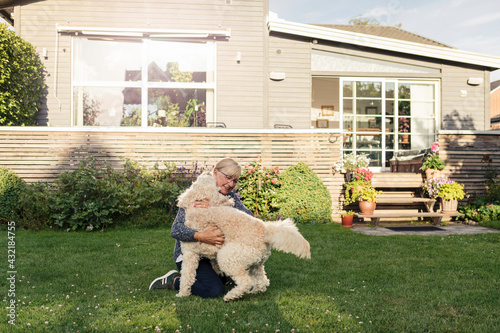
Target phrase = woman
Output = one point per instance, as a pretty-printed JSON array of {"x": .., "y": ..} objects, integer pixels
[{"x": 208, "y": 284}]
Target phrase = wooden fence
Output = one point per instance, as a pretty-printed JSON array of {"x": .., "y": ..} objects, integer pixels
[
  {"x": 40, "y": 155},
  {"x": 463, "y": 154}
]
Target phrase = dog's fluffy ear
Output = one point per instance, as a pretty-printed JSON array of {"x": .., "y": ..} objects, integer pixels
[{"x": 201, "y": 189}]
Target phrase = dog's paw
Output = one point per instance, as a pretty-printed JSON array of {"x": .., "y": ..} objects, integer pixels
[{"x": 182, "y": 294}]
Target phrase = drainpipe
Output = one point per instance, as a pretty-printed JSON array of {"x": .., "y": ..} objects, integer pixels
[{"x": 56, "y": 57}]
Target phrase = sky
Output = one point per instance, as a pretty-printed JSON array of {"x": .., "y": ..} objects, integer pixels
[{"x": 469, "y": 25}]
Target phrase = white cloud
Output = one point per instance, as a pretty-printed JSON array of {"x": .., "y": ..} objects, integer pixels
[{"x": 480, "y": 20}]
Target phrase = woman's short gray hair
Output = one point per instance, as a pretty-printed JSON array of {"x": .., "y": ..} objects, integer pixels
[{"x": 231, "y": 168}]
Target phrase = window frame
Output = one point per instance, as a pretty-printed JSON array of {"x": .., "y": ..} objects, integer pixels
[{"x": 144, "y": 84}]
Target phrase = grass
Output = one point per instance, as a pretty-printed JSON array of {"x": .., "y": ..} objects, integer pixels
[{"x": 98, "y": 282}]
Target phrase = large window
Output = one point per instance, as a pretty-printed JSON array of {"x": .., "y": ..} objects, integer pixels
[
  {"x": 384, "y": 116},
  {"x": 142, "y": 82}
]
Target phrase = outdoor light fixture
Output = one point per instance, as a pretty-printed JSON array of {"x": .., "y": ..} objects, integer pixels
[
  {"x": 277, "y": 76},
  {"x": 474, "y": 81},
  {"x": 238, "y": 57}
]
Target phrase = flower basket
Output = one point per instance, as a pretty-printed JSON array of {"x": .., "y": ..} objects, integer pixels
[
  {"x": 350, "y": 162},
  {"x": 449, "y": 206}
]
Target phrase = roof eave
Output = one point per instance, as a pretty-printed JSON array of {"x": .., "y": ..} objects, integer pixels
[{"x": 384, "y": 43}]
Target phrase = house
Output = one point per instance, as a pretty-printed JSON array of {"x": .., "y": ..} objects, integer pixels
[
  {"x": 495, "y": 104},
  {"x": 122, "y": 73}
]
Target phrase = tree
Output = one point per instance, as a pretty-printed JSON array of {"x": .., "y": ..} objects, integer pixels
[
  {"x": 21, "y": 80},
  {"x": 360, "y": 20}
]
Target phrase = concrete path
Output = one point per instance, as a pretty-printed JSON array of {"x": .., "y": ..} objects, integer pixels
[{"x": 448, "y": 230}]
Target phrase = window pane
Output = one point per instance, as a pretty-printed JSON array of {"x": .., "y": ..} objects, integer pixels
[
  {"x": 389, "y": 107},
  {"x": 364, "y": 106},
  {"x": 404, "y": 108},
  {"x": 180, "y": 62},
  {"x": 348, "y": 123},
  {"x": 347, "y": 106},
  {"x": 389, "y": 89},
  {"x": 404, "y": 90},
  {"x": 368, "y": 141},
  {"x": 177, "y": 107},
  {"x": 389, "y": 141},
  {"x": 348, "y": 88},
  {"x": 368, "y": 89},
  {"x": 106, "y": 106},
  {"x": 98, "y": 60},
  {"x": 389, "y": 124},
  {"x": 367, "y": 123}
]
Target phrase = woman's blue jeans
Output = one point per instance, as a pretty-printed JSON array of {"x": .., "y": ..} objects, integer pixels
[{"x": 208, "y": 284}]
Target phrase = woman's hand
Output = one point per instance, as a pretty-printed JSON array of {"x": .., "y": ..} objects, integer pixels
[
  {"x": 212, "y": 236},
  {"x": 201, "y": 203}
]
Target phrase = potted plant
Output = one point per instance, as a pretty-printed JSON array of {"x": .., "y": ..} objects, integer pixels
[
  {"x": 404, "y": 127},
  {"x": 450, "y": 192},
  {"x": 349, "y": 163},
  {"x": 362, "y": 191},
  {"x": 368, "y": 200},
  {"x": 433, "y": 164},
  {"x": 431, "y": 188},
  {"x": 347, "y": 218}
]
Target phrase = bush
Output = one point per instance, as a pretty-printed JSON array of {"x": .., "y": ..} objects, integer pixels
[
  {"x": 303, "y": 196},
  {"x": 86, "y": 197},
  {"x": 35, "y": 208},
  {"x": 21, "y": 80},
  {"x": 257, "y": 188},
  {"x": 11, "y": 187},
  {"x": 95, "y": 195}
]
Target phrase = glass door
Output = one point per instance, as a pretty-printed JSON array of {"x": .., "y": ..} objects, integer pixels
[{"x": 382, "y": 116}]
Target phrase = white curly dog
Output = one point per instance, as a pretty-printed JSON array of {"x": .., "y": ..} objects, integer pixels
[{"x": 247, "y": 245}]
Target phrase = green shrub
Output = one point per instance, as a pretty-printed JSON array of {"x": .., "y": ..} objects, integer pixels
[
  {"x": 21, "y": 80},
  {"x": 86, "y": 197},
  {"x": 95, "y": 195},
  {"x": 257, "y": 188},
  {"x": 303, "y": 196},
  {"x": 35, "y": 206},
  {"x": 11, "y": 187}
]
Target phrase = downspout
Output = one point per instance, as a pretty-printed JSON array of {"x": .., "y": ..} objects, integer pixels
[{"x": 56, "y": 57}]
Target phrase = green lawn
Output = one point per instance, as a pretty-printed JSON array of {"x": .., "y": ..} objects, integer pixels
[{"x": 93, "y": 281}]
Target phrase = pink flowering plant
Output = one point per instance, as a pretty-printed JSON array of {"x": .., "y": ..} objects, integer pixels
[
  {"x": 431, "y": 187},
  {"x": 404, "y": 125},
  {"x": 257, "y": 188},
  {"x": 433, "y": 161},
  {"x": 363, "y": 174}
]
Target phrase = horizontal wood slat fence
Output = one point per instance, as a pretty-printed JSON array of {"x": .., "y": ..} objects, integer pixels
[
  {"x": 463, "y": 154},
  {"x": 42, "y": 155}
]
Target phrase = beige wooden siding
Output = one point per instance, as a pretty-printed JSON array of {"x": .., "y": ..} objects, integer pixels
[
  {"x": 463, "y": 113},
  {"x": 41, "y": 155},
  {"x": 240, "y": 91},
  {"x": 463, "y": 154},
  {"x": 290, "y": 99},
  {"x": 495, "y": 103}
]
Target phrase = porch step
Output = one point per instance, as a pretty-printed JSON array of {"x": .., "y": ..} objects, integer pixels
[
  {"x": 397, "y": 180},
  {"x": 377, "y": 215}
]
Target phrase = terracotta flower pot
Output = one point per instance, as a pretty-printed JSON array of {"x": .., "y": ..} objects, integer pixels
[
  {"x": 347, "y": 221},
  {"x": 406, "y": 138},
  {"x": 449, "y": 206},
  {"x": 367, "y": 207},
  {"x": 432, "y": 173}
]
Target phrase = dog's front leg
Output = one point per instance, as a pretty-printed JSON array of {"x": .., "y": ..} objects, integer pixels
[{"x": 188, "y": 273}]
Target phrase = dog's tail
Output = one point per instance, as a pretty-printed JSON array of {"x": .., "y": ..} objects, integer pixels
[{"x": 284, "y": 236}]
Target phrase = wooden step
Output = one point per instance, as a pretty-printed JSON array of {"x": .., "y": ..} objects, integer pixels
[
  {"x": 397, "y": 180},
  {"x": 377, "y": 215}
]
